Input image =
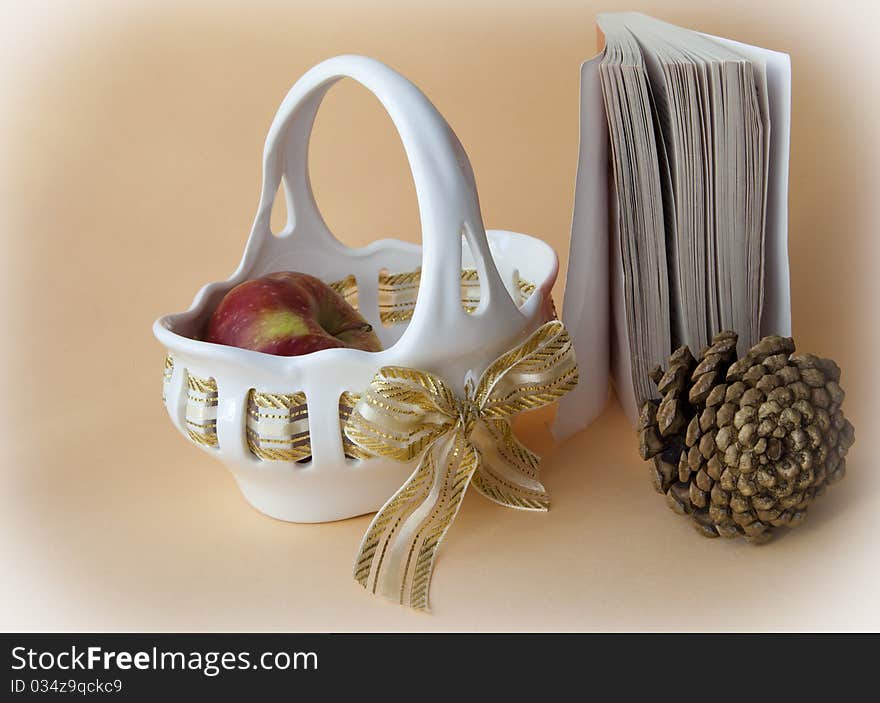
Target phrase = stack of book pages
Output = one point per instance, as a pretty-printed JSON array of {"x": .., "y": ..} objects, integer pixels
[{"x": 680, "y": 224}]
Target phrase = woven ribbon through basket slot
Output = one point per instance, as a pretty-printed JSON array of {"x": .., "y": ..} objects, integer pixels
[
  {"x": 278, "y": 426},
  {"x": 347, "y": 288},
  {"x": 201, "y": 410},
  {"x": 166, "y": 375}
]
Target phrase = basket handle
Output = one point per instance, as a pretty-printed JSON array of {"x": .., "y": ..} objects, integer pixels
[{"x": 444, "y": 183}]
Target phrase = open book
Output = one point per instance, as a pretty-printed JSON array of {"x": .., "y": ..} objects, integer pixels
[{"x": 680, "y": 220}]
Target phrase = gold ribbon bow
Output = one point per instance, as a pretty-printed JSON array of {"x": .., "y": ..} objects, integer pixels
[{"x": 406, "y": 413}]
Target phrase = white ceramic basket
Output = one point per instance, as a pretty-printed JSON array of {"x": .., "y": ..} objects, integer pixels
[{"x": 450, "y": 307}]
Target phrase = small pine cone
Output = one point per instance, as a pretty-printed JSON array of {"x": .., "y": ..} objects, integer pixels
[{"x": 743, "y": 446}]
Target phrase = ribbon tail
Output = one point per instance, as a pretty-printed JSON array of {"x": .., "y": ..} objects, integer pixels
[
  {"x": 396, "y": 558},
  {"x": 371, "y": 555},
  {"x": 508, "y": 472}
]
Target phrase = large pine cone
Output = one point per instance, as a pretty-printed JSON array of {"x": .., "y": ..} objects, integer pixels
[{"x": 743, "y": 446}]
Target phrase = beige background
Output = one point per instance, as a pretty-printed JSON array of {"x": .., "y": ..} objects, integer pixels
[{"x": 131, "y": 136}]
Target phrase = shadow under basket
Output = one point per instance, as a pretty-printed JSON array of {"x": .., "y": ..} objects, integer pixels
[{"x": 450, "y": 307}]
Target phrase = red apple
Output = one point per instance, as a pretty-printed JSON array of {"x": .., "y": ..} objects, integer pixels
[{"x": 288, "y": 314}]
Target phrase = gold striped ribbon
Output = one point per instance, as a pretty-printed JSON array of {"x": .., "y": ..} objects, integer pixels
[{"x": 405, "y": 414}]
